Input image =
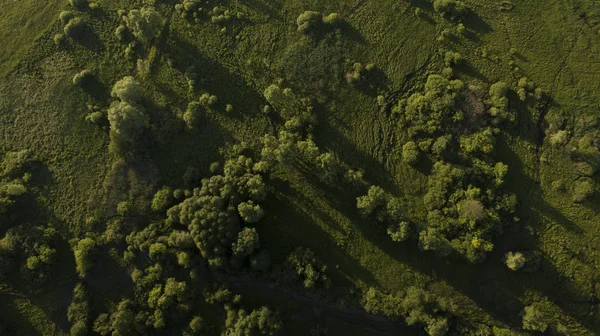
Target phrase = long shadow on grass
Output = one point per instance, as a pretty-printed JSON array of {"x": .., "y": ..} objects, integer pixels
[
  {"x": 228, "y": 86},
  {"x": 491, "y": 285},
  {"x": 292, "y": 214}
]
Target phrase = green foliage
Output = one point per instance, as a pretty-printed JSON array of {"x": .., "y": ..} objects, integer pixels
[
  {"x": 515, "y": 260},
  {"x": 310, "y": 22},
  {"x": 535, "y": 317},
  {"x": 82, "y": 78},
  {"x": 410, "y": 153},
  {"x": 453, "y": 58},
  {"x": 582, "y": 189},
  {"x": 308, "y": 268},
  {"x": 66, "y": 16},
  {"x": 162, "y": 199},
  {"x": 144, "y": 24},
  {"x": 250, "y": 212},
  {"x": 83, "y": 255},
  {"x": 399, "y": 232},
  {"x": 78, "y": 3},
  {"x": 127, "y": 90},
  {"x": 450, "y": 9},
  {"x": 247, "y": 242},
  {"x": 375, "y": 198},
  {"x": 127, "y": 122},
  {"x": 75, "y": 27},
  {"x": 261, "y": 321}
]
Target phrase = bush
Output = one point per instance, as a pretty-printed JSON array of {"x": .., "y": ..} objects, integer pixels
[
  {"x": 582, "y": 189},
  {"x": 59, "y": 39},
  {"x": 144, "y": 24},
  {"x": 83, "y": 251},
  {"x": 162, "y": 199},
  {"x": 450, "y": 9},
  {"x": 515, "y": 260},
  {"x": 82, "y": 78},
  {"x": 127, "y": 122},
  {"x": 399, "y": 232},
  {"x": 75, "y": 27},
  {"x": 127, "y": 90},
  {"x": 250, "y": 212},
  {"x": 534, "y": 317},
  {"x": 375, "y": 198},
  {"x": 79, "y": 3},
  {"x": 309, "y": 21},
  {"x": 66, "y": 16},
  {"x": 453, "y": 58},
  {"x": 410, "y": 153}
]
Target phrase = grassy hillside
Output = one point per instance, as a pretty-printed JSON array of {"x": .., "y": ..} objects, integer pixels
[{"x": 83, "y": 187}]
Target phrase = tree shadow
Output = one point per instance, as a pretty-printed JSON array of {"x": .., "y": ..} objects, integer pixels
[
  {"x": 468, "y": 69},
  {"x": 351, "y": 33},
  {"x": 88, "y": 38},
  {"x": 96, "y": 89},
  {"x": 474, "y": 22}
]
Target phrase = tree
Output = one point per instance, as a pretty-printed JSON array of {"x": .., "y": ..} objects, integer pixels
[
  {"x": 162, "y": 199},
  {"x": 246, "y": 243},
  {"x": 144, "y": 24},
  {"x": 399, "y": 232},
  {"x": 450, "y": 9},
  {"x": 376, "y": 197},
  {"x": 515, "y": 260},
  {"x": 410, "y": 153},
  {"x": 83, "y": 252},
  {"x": 308, "y": 268},
  {"x": 472, "y": 210},
  {"x": 75, "y": 27},
  {"x": 309, "y": 21},
  {"x": 433, "y": 240},
  {"x": 582, "y": 189},
  {"x": 262, "y": 321},
  {"x": 127, "y": 122},
  {"x": 534, "y": 318},
  {"x": 250, "y": 212},
  {"x": 82, "y": 78},
  {"x": 127, "y": 90},
  {"x": 78, "y": 3}
]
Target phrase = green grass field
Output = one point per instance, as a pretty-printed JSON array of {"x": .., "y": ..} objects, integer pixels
[{"x": 555, "y": 43}]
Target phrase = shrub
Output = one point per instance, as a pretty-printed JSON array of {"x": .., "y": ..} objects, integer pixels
[
  {"x": 375, "y": 198},
  {"x": 96, "y": 118},
  {"x": 82, "y": 78},
  {"x": 582, "y": 189},
  {"x": 83, "y": 251},
  {"x": 399, "y": 232},
  {"x": 308, "y": 268},
  {"x": 144, "y": 24},
  {"x": 75, "y": 27},
  {"x": 127, "y": 90},
  {"x": 79, "y": 3},
  {"x": 534, "y": 317},
  {"x": 127, "y": 121},
  {"x": 472, "y": 210},
  {"x": 450, "y": 9},
  {"x": 250, "y": 212},
  {"x": 515, "y": 260},
  {"x": 410, "y": 153},
  {"x": 59, "y": 39},
  {"x": 309, "y": 21},
  {"x": 121, "y": 33},
  {"x": 453, "y": 58},
  {"x": 162, "y": 199},
  {"x": 66, "y": 16}
]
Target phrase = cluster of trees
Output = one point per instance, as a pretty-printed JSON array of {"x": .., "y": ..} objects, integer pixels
[
  {"x": 359, "y": 74},
  {"x": 193, "y": 10},
  {"x": 13, "y": 178},
  {"x": 311, "y": 22},
  {"x": 215, "y": 211},
  {"x": 417, "y": 305},
  {"x": 387, "y": 209},
  {"x": 583, "y": 145},
  {"x": 74, "y": 25},
  {"x": 79, "y": 311},
  {"x": 197, "y": 110},
  {"x": 144, "y": 24},
  {"x": 451, "y": 9},
  {"x": 465, "y": 201},
  {"x": 308, "y": 269},
  {"x": 127, "y": 116}
]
